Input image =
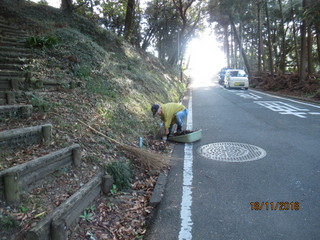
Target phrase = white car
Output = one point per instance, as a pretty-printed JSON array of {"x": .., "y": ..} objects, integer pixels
[{"x": 236, "y": 78}]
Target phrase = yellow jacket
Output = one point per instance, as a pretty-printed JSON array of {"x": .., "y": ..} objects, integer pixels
[{"x": 169, "y": 110}]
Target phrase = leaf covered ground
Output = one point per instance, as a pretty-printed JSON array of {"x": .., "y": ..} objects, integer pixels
[{"x": 289, "y": 85}]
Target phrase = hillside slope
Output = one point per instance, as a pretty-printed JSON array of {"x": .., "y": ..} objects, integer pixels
[
  {"x": 91, "y": 75},
  {"x": 116, "y": 83}
]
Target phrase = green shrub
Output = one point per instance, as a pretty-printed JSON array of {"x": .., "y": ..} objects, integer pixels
[
  {"x": 42, "y": 42},
  {"x": 41, "y": 104},
  {"x": 82, "y": 71},
  {"x": 88, "y": 213},
  {"x": 8, "y": 222},
  {"x": 23, "y": 209},
  {"x": 121, "y": 173}
]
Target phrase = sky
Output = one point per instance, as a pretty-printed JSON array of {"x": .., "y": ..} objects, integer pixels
[
  {"x": 206, "y": 56},
  {"x": 53, "y": 3}
]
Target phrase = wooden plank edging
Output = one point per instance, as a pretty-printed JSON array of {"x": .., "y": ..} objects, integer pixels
[
  {"x": 25, "y": 136},
  {"x": 55, "y": 225},
  {"x": 15, "y": 111},
  {"x": 24, "y": 176}
]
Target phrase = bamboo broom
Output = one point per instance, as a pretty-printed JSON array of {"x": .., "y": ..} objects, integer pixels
[{"x": 147, "y": 159}]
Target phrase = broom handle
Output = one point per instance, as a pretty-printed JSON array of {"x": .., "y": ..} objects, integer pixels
[{"x": 100, "y": 133}]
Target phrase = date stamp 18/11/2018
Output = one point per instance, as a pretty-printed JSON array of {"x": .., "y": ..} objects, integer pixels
[{"x": 282, "y": 206}]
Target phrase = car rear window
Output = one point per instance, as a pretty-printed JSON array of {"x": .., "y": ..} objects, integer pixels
[{"x": 238, "y": 73}]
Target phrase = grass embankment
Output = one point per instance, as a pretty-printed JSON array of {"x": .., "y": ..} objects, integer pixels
[{"x": 116, "y": 85}]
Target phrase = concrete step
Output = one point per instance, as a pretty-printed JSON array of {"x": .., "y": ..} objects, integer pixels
[
  {"x": 7, "y": 97},
  {"x": 13, "y": 60},
  {"x": 10, "y": 83},
  {"x": 4, "y": 25},
  {"x": 10, "y": 33},
  {"x": 13, "y": 54},
  {"x": 15, "y": 49},
  {"x": 11, "y": 73},
  {"x": 17, "y": 78},
  {"x": 6, "y": 43},
  {"x": 15, "y": 111},
  {"x": 14, "y": 97},
  {"x": 7, "y": 27},
  {"x": 15, "y": 67},
  {"x": 12, "y": 39}
]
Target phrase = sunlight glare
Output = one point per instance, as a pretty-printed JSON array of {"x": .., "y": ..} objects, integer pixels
[{"x": 206, "y": 58}]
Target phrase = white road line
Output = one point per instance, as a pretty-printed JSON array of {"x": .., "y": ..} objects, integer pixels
[{"x": 186, "y": 203}]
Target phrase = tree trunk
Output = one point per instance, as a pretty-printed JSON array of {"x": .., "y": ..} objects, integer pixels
[
  {"x": 129, "y": 19},
  {"x": 309, "y": 45},
  {"x": 240, "y": 63},
  {"x": 271, "y": 67},
  {"x": 294, "y": 31},
  {"x": 318, "y": 43},
  {"x": 66, "y": 5},
  {"x": 259, "y": 39},
  {"x": 232, "y": 52},
  {"x": 244, "y": 56},
  {"x": 226, "y": 43},
  {"x": 147, "y": 38},
  {"x": 296, "y": 47},
  {"x": 173, "y": 55},
  {"x": 283, "y": 41},
  {"x": 303, "y": 49}
]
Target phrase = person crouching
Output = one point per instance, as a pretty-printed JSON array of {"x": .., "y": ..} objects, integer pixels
[{"x": 170, "y": 114}]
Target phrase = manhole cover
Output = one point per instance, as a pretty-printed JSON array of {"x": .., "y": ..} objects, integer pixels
[{"x": 231, "y": 152}]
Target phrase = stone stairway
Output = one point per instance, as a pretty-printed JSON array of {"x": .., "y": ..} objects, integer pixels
[
  {"x": 18, "y": 180},
  {"x": 14, "y": 59}
]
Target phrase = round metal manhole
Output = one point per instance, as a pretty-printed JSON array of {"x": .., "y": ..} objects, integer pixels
[{"x": 231, "y": 152}]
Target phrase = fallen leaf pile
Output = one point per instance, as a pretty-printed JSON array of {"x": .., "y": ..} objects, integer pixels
[{"x": 184, "y": 132}]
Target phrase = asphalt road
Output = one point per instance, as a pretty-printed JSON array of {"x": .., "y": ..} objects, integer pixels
[{"x": 254, "y": 174}]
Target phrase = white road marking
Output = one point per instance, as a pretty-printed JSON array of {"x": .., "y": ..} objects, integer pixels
[
  {"x": 248, "y": 95},
  {"x": 186, "y": 203},
  {"x": 283, "y": 108},
  {"x": 278, "y": 106},
  {"x": 288, "y": 99}
]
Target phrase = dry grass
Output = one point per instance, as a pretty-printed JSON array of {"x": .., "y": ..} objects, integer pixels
[{"x": 147, "y": 159}]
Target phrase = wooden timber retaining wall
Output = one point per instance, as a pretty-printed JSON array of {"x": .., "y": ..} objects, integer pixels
[
  {"x": 25, "y": 136},
  {"x": 15, "y": 111},
  {"x": 55, "y": 225},
  {"x": 26, "y": 176}
]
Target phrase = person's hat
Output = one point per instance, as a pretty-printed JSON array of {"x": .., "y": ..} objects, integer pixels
[{"x": 154, "y": 109}]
